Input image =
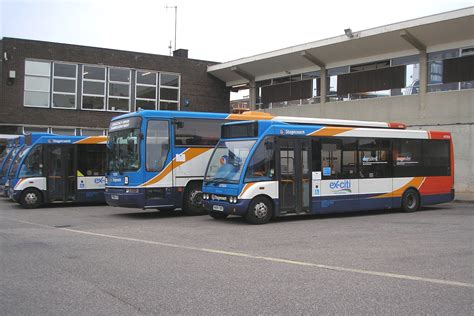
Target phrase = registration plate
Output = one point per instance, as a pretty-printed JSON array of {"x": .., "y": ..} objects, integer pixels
[
  {"x": 218, "y": 208},
  {"x": 114, "y": 197}
]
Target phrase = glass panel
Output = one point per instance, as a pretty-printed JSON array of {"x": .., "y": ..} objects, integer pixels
[
  {"x": 29, "y": 129},
  {"x": 169, "y": 94},
  {"x": 374, "y": 155},
  {"x": 123, "y": 150},
  {"x": 467, "y": 85},
  {"x": 436, "y": 158},
  {"x": 407, "y": 60},
  {"x": 92, "y": 132},
  {"x": 145, "y": 104},
  {"x": 37, "y": 83},
  {"x": 64, "y": 100},
  {"x": 331, "y": 159},
  {"x": 407, "y": 157},
  {"x": 37, "y": 98},
  {"x": 96, "y": 73},
  {"x": 16, "y": 162},
  {"x": 172, "y": 106},
  {"x": 197, "y": 132},
  {"x": 93, "y": 87},
  {"x": 262, "y": 164},
  {"x": 64, "y": 70},
  {"x": 122, "y": 75},
  {"x": 119, "y": 90},
  {"x": 227, "y": 160},
  {"x": 119, "y": 104},
  {"x": 146, "y": 77},
  {"x": 39, "y": 68},
  {"x": 64, "y": 131},
  {"x": 145, "y": 92},
  {"x": 157, "y": 145},
  {"x": 33, "y": 164},
  {"x": 349, "y": 158},
  {"x": 64, "y": 85},
  {"x": 94, "y": 103},
  {"x": 169, "y": 80},
  {"x": 91, "y": 160}
]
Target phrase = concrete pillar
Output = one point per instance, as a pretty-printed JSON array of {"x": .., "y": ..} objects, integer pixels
[
  {"x": 423, "y": 80},
  {"x": 323, "y": 87},
  {"x": 252, "y": 95}
]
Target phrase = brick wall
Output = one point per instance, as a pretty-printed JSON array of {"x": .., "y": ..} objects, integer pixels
[{"x": 205, "y": 92}]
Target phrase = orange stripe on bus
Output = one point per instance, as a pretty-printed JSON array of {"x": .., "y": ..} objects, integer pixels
[
  {"x": 189, "y": 153},
  {"x": 246, "y": 187},
  {"x": 92, "y": 140},
  {"x": 330, "y": 131},
  {"x": 415, "y": 182},
  {"x": 248, "y": 116}
]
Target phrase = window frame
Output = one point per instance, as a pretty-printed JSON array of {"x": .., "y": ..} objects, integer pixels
[
  {"x": 38, "y": 76},
  {"x": 104, "y": 96},
  {"x": 169, "y": 124},
  {"x": 129, "y": 98},
  {"x": 156, "y": 86},
  {"x": 178, "y": 101},
  {"x": 53, "y": 77}
]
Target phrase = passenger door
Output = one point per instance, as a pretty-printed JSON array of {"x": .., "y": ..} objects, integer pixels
[
  {"x": 294, "y": 175},
  {"x": 60, "y": 173}
]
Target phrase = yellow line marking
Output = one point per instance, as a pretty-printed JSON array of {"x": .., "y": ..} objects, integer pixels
[{"x": 271, "y": 259}]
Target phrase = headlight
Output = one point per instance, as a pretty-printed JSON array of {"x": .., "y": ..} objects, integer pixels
[
  {"x": 232, "y": 199},
  {"x": 205, "y": 196},
  {"x": 106, "y": 181},
  {"x": 134, "y": 190},
  {"x": 125, "y": 180}
]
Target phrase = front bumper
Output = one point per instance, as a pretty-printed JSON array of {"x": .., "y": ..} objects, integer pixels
[
  {"x": 240, "y": 208},
  {"x": 144, "y": 198}
]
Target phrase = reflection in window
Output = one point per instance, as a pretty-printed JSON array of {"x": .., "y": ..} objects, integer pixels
[
  {"x": 157, "y": 145},
  {"x": 374, "y": 155},
  {"x": 91, "y": 160},
  {"x": 194, "y": 132},
  {"x": 169, "y": 91},
  {"x": 407, "y": 157},
  {"x": 37, "y": 83}
]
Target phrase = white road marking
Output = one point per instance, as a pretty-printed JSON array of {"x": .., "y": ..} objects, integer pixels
[{"x": 250, "y": 256}]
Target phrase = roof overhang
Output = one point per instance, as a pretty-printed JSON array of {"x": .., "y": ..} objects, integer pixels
[{"x": 434, "y": 32}]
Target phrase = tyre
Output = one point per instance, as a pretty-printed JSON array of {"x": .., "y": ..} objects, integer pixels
[
  {"x": 218, "y": 215},
  {"x": 260, "y": 211},
  {"x": 410, "y": 201},
  {"x": 192, "y": 200},
  {"x": 31, "y": 198}
]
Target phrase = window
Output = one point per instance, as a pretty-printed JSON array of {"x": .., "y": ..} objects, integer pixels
[
  {"x": 64, "y": 85},
  {"x": 33, "y": 164},
  {"x": 331, "y": 154},
  {"x": 63, "y": 131},
  {"x": 374, "y": 157},
  {"x": 93, "y": 88},
  {"x": 92, "y": 132},
  {"x": 91, "y": 160},
  {"x": 261, "y": 166},
  {"x": 407, "y": 160},
  {"x": 436, "y": 158},
  {"x": 37, "y": 83},
  {"x": 169, "y": 91},
  {"x": 195, "y": 132},
  {"x": 349, "y": 158},
  {"x": 34, "y": 129},
  {"x": 435, "y": 70},
  {"x": 119, "y": 90},
  {"x": 157, "y": 145},
  {"x": 145, "y": 90}
]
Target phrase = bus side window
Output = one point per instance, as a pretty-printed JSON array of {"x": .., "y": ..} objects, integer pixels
[
  {"x": 91, "y": 160},
  {"x": 374, "y": 157},
  {"x": 349, "y": 158},
  {"x": 262, "y": 164},
  {"x": 331, "y": 154},
  {"x": 316, "y": 148}
]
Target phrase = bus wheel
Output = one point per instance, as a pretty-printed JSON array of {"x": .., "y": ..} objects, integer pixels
[
  {"x": 260, "y": 211},
  {"x": 192, "y": 204},
  {"x": 410, "y": 201},
  {"x": 218, "y": 215},
  {"x": 31, "y": 198}
]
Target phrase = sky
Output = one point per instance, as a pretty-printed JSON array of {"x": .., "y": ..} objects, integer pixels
[{"x": 211, "y": 29}]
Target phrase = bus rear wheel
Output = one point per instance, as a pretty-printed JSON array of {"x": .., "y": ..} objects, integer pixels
[
  {"x": 260, "y": 211},
  {"x": 192, "y": 204},
  {"x": 31, "y": 198},
  {"x": 410, "y": 201}
]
